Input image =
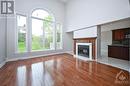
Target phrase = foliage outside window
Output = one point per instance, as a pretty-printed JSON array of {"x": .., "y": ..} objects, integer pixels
[
  {"x": 46, "y": 34},
  {"x": 22, "y": 32},
  {"x": 43, "y": 31}
]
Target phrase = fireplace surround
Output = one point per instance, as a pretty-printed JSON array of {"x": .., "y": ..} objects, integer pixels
[
  {"x": 84, "y": 51},
  {"x": 86, "y": 40}
]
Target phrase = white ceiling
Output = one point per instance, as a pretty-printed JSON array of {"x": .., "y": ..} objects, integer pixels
[{"x": 64, "y": 1}]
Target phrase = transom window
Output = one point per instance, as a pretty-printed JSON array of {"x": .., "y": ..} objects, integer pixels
[{"x": 41, "y": 14}]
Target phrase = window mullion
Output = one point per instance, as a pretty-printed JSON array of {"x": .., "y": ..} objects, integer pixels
[
  {"x": 43, "y": 35},
  {"x": 29, "y": 34},
  {"x": 55, "y": 36}
]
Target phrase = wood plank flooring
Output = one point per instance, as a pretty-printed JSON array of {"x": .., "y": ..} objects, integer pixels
[{"x": 61, "y": 70}]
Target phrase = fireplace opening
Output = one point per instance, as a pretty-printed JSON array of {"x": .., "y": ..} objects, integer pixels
[{"x": 84, "y": 51}]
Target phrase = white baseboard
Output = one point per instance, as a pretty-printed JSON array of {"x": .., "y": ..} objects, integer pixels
[
  {"x": 70, "y": 52},
  {"x": 22, "y": 58},
  {"x": 2, "y": 64}
]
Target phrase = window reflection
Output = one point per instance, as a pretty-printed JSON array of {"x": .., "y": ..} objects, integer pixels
[
  {"x": 21, "y": 76},
  {"x": 40, "y": 75}
]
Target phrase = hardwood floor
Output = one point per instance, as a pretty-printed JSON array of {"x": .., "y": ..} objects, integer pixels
[{"x": 61, "y": 70}]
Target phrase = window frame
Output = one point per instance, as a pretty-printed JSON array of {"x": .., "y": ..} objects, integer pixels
[
  {"x": 54, "y": 36},
  {"x": 29, "y": 33}
]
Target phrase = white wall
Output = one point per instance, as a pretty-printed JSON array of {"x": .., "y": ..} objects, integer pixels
[
  {"x": 2, "y": 38},
  {"x": 86, "y": 13},
  {"x": 106, "y": 33},
  {"x": 86, "y": 33},
  {"x": 26, "y": 7}
]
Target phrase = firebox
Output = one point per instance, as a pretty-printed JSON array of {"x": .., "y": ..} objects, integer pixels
[{"x": 84, "y": 51}]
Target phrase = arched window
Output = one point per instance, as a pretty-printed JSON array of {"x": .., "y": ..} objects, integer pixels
[
  {"x": 43, "y": 31},
  {"x": 42, "y": 14},
  {"x": 46, "y": 33}
]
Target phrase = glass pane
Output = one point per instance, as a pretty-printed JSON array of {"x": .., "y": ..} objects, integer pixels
[
  {"x": 49, "y": 34},
  {"x": 37, "y": 34},
  {"x": 21, "y": 26},
  {"x": 59, "y": 36},
  {"x": 42, "y": 15}
]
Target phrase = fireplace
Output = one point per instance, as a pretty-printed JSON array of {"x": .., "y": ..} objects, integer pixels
[{"x": 84, "y": 51}]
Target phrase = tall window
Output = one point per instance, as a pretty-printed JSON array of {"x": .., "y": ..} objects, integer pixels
[
  {"x": 22, "y": 33},
  {"x": 43, "y": 31},
  {"x": 46, "y": 33},
  {"x": 58, "y": 36}
]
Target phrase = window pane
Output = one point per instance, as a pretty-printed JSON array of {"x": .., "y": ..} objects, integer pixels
[
  {"x": 42, "y": 15},
  {"x": 37, "y": 34},
  {"x": 49, "y": 35},
  {"x": 21, "y": 26},
  {"x": 59, "y": 36}
]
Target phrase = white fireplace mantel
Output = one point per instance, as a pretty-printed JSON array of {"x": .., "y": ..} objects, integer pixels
[{"x": 90, "y": 51}]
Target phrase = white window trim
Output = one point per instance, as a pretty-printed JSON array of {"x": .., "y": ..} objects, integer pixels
[{"x": 42, "y": 19}]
